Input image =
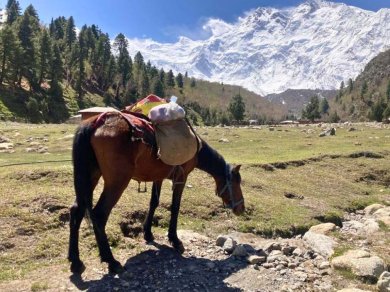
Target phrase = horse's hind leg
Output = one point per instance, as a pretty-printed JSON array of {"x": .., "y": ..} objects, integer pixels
[
  {"x": 77, "y": 212},
  {"x": 154, "y": 200},
  {"x": 101, "y": 212}
]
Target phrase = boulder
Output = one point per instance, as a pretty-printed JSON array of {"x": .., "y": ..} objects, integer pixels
[
  {"x": 229, "y": 245},
  {"x": 371, "y": 209},
  {"x": 320, "y": 243},
  {"x": 361, "y": 263},
  {"x": 324, "y": 228},
  {"x": 370, "y": 226},
  {"x": 240, "y": 251},
  {"x": 384, "y": 282},
  {"x": 221, "y": 240},
  {"x": 6, "y": 146},
  {"x": 383, "y": 215}
]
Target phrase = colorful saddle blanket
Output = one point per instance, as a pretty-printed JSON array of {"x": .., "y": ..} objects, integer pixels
[{"x": 141, "y": 128}]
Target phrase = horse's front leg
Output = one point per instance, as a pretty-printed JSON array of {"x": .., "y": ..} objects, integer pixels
[
  {"x": 176, "y": 198},
  {"x": 154, "y": 201}
]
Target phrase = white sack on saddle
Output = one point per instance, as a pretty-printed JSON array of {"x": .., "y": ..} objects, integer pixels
[{"x": 166, "y": 112}]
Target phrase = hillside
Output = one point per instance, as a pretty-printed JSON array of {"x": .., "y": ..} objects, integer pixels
[
  {"x": 49, "y": 73},
  {"x": 295, "y": 99},
  {"x": 368, "y": 96}
]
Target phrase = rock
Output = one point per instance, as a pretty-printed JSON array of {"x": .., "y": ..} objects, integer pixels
[
  {"x": 352, "y": 290},
  {"x": 4, "y": 139},
  {"x": 6, "y": 146},
  {"x": 240, "y": 251},
  {"x": 324, "y": 265},
  {"x": 369, "y": 210},
  {"x": 324, "y": 228},
  {"x": 254, "y": 259},
  {"x": 383, "y": 215},
  {"x": 287, "y": 250},
  {"x": 298, "y": 252},
  {"x": 360, "y": 263},
  {"x": 320, "y": 243},
  {"x": 221, "y": 240},
  {"x": 223, "y": 140},
  {"x": 229, "y": 245},
  {"x": 384, "y": 282},
  {"x": 274, "y": 255},
  {"x": 272, "y": 246},
  {"x": 328, "y": 132},
  {"x": 370, "y": 226}
]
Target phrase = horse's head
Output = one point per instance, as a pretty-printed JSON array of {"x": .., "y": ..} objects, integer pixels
[{"x": 229, "y": 189}]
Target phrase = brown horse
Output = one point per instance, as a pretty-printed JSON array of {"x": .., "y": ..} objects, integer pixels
[{"x": 111, "y": 149}]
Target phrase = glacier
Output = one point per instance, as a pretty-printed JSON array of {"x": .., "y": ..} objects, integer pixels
[{"x": 314, "y": 45}]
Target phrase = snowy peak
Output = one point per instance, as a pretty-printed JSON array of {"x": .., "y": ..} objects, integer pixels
[{"x": 314, "y": 45}]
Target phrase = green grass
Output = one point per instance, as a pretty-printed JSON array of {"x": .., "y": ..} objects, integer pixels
[{"x": 34, "y": 199}]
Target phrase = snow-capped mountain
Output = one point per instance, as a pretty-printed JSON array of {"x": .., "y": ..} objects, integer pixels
[{"x": 315, "y": 45}]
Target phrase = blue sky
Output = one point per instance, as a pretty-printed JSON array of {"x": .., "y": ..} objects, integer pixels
[{"x": 161, "y": 20}]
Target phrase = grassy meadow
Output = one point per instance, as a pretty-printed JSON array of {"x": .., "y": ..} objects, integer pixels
[{"x": 319, "y": 174}]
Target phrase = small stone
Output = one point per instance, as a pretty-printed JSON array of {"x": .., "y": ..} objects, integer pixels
[
  {"x": 275, "y": 255},
  {"x": 324, "y": 265},
  {"x": 268, "y": 265},
  {"x": 292, "y": 265},
  {"x": 254, "y": 259},
  {"x": 298, "y": 252},
  {"x": 272, "y": 246}
]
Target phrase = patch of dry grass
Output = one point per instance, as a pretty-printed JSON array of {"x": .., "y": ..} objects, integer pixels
[{"x": 34, "y": 199}]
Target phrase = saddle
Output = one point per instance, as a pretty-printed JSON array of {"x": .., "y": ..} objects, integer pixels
[{"x": 175, "y": 140}]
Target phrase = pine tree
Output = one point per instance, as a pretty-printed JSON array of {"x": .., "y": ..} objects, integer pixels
[
  {"x": 145, "y": 84},
  {"x": 157, "y": 87},
  {"x": 350, "y": 85},
  {"x": 9, "y": 51},
  {"x": 13, "y": 11},
  {"x": 324, "y": 106},
  {"x": 311, "y": 111},
  {"x": 237, "y": 108},
  {"x": 193, "y": 82},
  {"x": 170, "y": 81},
  {"x": 70, "y": 33},
  {"x": 46, "y": 55},
  {"x": 27, "y": 40},
  {"x": 179, "y": 80}
]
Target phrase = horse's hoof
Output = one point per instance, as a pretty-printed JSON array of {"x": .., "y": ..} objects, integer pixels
[
  {"x": 179, "y": 247},
  {"x": 148, "y": 237},
  {"x": 115, "y": 267},
  {"x": 77, "y": 267}
]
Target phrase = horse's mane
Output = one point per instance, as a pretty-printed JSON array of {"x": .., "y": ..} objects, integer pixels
[{"x": 210, "y": 161}]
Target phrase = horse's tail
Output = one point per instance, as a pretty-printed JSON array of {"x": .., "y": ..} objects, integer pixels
[{"x": 84, "y": 162}]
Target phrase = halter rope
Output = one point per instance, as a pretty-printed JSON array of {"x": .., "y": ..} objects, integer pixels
[{"x": 228, "y": 186}]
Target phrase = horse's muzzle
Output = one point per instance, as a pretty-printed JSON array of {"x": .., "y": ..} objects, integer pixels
[{"x": 238, "y": 210}]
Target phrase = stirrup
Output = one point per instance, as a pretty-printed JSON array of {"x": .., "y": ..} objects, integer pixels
[{"x": 139, "y": 187}]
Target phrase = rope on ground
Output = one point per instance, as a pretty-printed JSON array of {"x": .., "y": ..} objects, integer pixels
[{"x": 35, "y": 162}]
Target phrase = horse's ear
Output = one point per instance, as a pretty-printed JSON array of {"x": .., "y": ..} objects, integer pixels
[{"x": 237, "y": 168}]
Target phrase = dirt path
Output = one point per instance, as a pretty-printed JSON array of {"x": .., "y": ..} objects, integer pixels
[{"x": 203, "y": 267}]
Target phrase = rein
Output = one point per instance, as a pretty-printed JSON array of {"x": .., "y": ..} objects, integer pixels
[{"x": 228, "y": 186}]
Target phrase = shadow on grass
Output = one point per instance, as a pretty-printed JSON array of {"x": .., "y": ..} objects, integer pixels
[{"x": 162, "y": 268}]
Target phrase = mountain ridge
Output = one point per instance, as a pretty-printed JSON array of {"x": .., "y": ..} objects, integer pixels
[{"x": 314, "y": 45}]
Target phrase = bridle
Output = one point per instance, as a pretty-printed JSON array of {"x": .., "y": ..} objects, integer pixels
[{"x": 228, "y": 186}]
